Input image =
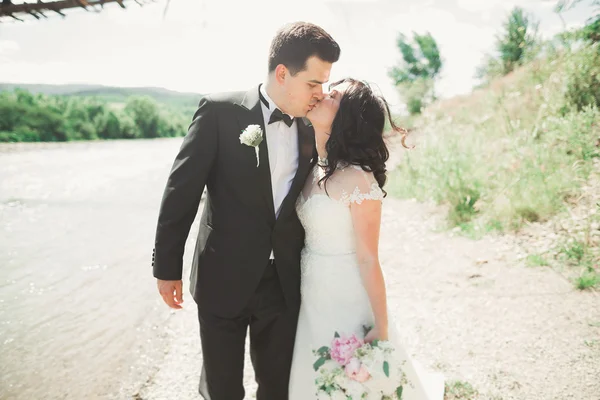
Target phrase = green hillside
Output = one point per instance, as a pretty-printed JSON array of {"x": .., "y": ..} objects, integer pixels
[
  {"x": 31, "y": 113},
  {"x": 110, "y": 94},
  {"x": 520, "y": 156}
]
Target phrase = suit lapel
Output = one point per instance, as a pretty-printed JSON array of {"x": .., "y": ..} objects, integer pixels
[
  {"x": 306, "y": 145},
  {"x": 252, "y": 115}
]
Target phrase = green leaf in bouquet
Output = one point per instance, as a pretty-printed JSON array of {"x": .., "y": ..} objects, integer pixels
[
  {"x": 375, "y": 343},
  {"x": 323, "y": 351},
  {"x": 319, "y": 363},
  {"x": 386, "y": 368},
  {"x": 399, "y": 392},
  {"x": 336, "y": 335}
]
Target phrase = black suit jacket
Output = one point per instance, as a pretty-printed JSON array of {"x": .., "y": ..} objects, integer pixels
[{"x": 238, "y": 227}]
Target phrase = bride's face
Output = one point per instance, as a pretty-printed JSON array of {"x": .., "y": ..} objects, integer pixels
[{"x": 323, "y": 114}]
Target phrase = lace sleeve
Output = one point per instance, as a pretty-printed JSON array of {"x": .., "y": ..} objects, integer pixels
[{"x": 359, "y": 186}]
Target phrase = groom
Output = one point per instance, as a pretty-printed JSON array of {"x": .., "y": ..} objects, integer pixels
[{"x": 246, "y": 264}]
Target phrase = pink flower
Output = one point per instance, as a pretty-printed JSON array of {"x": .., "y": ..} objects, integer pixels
[
  {"x": 357, "y": 371},
  {"x": 342, "y": 348}
]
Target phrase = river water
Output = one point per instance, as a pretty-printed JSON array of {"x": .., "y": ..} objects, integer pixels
[{"x": 80, "y": 317}]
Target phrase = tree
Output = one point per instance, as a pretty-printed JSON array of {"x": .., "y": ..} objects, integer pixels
[
  {"x": 416, "y": 74},
  {"x": 519, "y": 37},
  {"x": 591, "y": 31},
  {"x": 77, "y": 121},
  {"x": 108, "y": 125},
  {"x": 516, "y": 44},
  {"x": 419, "y": 61},
  {"x": 37, "y": 117},
  {"x": 144, "y": 111},
  {"x": 564, "y": 5},
  {"x": 20, "y": 115},
  {"x": 25, "y": 97}
]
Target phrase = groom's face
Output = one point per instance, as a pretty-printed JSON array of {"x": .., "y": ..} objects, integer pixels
[{"x": 305, "y": 89}]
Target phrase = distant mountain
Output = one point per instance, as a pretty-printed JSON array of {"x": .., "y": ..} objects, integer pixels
[{"x": 111, "y": 94}]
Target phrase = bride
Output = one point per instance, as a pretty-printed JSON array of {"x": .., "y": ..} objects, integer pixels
[{"x": 343, "y": 287}]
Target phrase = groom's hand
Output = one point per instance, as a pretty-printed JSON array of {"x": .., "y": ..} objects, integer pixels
[{"x": 171, "y": 292}]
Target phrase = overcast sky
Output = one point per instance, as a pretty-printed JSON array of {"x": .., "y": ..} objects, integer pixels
[{"x": 219, "y": 45}]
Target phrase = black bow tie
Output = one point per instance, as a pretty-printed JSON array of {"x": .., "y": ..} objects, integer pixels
[{"x": 277, "y": 115}]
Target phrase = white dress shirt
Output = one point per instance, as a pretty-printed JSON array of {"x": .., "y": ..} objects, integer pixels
[{"x": 282, "y": 143}]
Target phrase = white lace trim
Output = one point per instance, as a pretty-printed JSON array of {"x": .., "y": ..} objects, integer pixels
[
  {"x": 318, "y": 173},
  {"x": 357, "y": 197}
]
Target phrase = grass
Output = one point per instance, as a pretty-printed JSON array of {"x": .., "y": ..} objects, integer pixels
[
  {"x": 516, "y": 153},
  {"x": 536, "y": 260},
  {"x": 585, "y": 257},
  {"x": 507, "y": 155},
  {"x": 574, "y": 251},
  {"x": 588, "y": 280},
  {"x": 458, "y": 390}
]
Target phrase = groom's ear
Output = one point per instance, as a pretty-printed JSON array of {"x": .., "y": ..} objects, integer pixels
[{"x": 281, "y": 73}]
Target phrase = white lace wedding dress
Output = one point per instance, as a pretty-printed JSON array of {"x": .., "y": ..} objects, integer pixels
[{"x": 333, "y": 296}]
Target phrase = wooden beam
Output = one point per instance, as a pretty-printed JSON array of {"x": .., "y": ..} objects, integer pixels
[
  {"x": 83, "y": 4},
  {"x": 58, "y": 12},
  {"x": 56, "y": 6}
]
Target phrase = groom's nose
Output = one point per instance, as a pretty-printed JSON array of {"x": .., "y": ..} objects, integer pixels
[{"x": 319, "y": 94}]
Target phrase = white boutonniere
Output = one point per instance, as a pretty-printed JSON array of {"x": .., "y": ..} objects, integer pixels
[{"x": 252, "y": 136}]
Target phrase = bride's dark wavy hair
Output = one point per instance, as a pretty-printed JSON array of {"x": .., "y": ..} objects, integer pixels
[{"x": 357, "y": 132}]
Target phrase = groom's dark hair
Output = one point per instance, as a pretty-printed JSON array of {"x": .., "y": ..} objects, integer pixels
[{"x": 295, "y": 43}]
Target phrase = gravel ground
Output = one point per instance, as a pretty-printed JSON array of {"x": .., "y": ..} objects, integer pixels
[{"x": 469, "y": 309}]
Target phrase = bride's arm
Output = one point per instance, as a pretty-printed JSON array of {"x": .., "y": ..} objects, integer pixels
[{"x": 366, "y": 218}]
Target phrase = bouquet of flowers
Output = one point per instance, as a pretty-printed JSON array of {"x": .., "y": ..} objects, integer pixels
[{"x": 354, "y": 370}]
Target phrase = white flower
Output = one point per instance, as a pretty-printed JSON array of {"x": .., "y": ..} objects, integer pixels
[
  {"x": 338, "y": 396},
  {"x": 323, "y": 396},
  {"x": 385, "y": 345},
  {"x": 342, "y": 380},
  {"x": 330, "y": 369},
  {"x": 252, "y": 136},
  {"x": 354, "y": 389},
  {"x": 381, "y": 383},
  {"x": 373, "y": 395}
]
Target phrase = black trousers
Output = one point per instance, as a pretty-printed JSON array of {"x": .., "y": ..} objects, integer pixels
[{"x": 272, "y": 332}]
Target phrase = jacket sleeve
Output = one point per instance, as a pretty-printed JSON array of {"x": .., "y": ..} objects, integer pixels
[{"x": 183, "y": 191}]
